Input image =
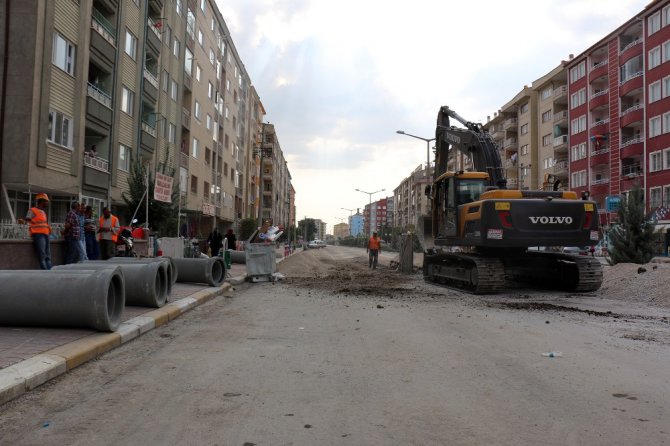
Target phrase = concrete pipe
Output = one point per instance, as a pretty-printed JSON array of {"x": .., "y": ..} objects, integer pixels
[
  {"x": 171, "y": 267},
  {"x": 59, "y": 298},
  {"x": 211, "y": 271},
  {"x": 238, "y": 256},
  {"x": 146, "y": 284}
]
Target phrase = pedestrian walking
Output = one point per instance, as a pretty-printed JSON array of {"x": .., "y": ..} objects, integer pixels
[
  {"x": 92, "y": 248},
  {"x": 373, "y": 250},
  {"x": 108, "y": 233},
  {"x": 72, "y": 235},
  {"x": 215, "y": 242},
  {"x": 39, "y": 229},
  {"x": 232, "y": 240}
]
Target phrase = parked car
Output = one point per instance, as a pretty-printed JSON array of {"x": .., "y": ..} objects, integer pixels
[
  {"x": 577, "y": 250},
  {"x": 316, "y": 244}
]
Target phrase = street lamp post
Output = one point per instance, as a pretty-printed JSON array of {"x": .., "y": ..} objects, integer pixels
[
  {"x": 428, "y": 140},
  {"x": 370, "y": 194},
  {"x": 351, "y": 212}
]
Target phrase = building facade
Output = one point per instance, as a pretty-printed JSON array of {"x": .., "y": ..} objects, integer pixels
[
  {"x": 357, "y": 224},
  {"x": 409, "y": 200}
]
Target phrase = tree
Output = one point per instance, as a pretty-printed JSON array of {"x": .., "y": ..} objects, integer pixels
[
  {"x": 632, "y": 237},
  {"x": 247, "y": 228},
  {"x": 308, "y": 227},
  {"x": 162, "y": 216}
]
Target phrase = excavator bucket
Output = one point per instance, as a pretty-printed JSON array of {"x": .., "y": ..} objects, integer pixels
[{"x": 424, "y": 231}]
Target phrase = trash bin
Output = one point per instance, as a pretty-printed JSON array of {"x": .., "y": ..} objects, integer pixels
[{"x": 261, "y": 261}]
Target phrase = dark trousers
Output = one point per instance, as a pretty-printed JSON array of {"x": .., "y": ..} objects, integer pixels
[
  {"x": 43, "y": 250},
  {"x": 71, "y": 250},
  {"x": 107, "y": 249},
  {"x": 373, "y": 257},
  {"x": 92, "y": 248}
]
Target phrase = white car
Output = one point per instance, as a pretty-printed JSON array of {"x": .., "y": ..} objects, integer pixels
[{"x": 316, "y": 244}]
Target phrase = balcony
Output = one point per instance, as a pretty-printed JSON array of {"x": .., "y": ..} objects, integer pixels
[
  {"x": 186, "y": 118},
  {"x": 599, "y": 126},
  {"x": 598, "y": 181},
  {"x": 561, "y": 118},
  {"x": 561, "y": 95},
  {"x": 598, "y": 69},
  {"x": 102, "y": 26},
  {"x": 99, "y": 95},
  {"x": 510, "y": 123},
  {"x": 631, "y": 115},
  {"x": 599, "y": 99},
  {"x": 561, "y": 142},
  {"x": 146, "y": 127},
  {"x": 151, "y": 78},
  {"x": 188, "y": 82},
  {"x": 628, "y": 49},
  {"x": 599, "y": 187},
  {"x": 600, "y": 156},
  {"x": 154, "y": 36},
  {"x": 96, "y": 163},
  {"x": 510, "y": 144},
  {"x": 512, "y": 182},
  {"x": 631, "y": 171},
  {"x": 559, "y": 167},
  {"x": 632, "y": 82}
]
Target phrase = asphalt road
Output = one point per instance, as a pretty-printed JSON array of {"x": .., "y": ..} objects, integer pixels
[{"x": 284, "y": 364}]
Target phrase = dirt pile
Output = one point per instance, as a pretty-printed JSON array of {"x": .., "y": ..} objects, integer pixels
[{"x": 623, "y": 282}]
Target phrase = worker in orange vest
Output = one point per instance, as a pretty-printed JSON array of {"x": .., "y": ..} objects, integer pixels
[
  {"x": 108, "y": 233},
  {"x": 39, "y": 228},
  {"x": 373, "y": 250}
]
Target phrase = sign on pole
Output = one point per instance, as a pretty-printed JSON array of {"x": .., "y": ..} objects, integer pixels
[{"x": 163, "y": 188}]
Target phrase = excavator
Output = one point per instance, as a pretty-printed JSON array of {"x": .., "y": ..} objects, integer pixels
[{"x": 478, "y": 234}]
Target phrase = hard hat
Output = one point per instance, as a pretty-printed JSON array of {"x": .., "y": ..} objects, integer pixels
[{"x": 42, "y": 196}]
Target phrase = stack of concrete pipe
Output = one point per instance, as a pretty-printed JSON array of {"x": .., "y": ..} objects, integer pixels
[
  {"x": 211, "y": 270},
  {"x": 146, "y": 283},
  {"x": 166, "y": 261},
  {"x": 63, "y": 298}
]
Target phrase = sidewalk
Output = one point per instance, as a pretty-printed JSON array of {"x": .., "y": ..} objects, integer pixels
[{"x": 31, "y": 356}]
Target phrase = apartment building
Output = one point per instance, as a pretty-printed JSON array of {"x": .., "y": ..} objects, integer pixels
[
  {"x": 357, "y": 224},
  {"x": 341, "y": 230},
  {"x": 409, "y": 199},
  {"x": 276, "y": 178},
  {"x": 151, "y": 82},
  {"x": 619, "y": 116}
]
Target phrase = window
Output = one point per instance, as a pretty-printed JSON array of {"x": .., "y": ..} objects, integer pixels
[
  {"x": 213, "y": 25},
  {"x": 578, "y": 125},
  {"x": 166, "y": 80},
  {"x": 654, "y": 57},
  {"x": 523, "y": 109},
  {"x": 578, "y": 71},
  {"x": 578, "y": 179},
  {"x": 666, "y": 122},
  {"x": 131, "y": 45},
  {"x": 666, "y": 196},
  {"x": 227, "y": 85},
  {"x": 578, "y": 98},
  {"x": 546, "y": 116},
  {"x": 546, "y": 140},
  {"x": 205, "y": 191},
  {"x": 201, "y": 38},
  {"x": 654, "y": 23},
  {"x": 63, "y": 54},
  {"x": 655, "y": 161},
  {"x": 578, "y": 152},
  {"x": 665, "y": 51},
  {"x": 167, "y": 36},
  {"x": 212, "y": 57},
  {"x": 124, "y": 158},
  {"x": 188, "y": 61},
  {"x": 654, "y": 197},
  {"x": 60, "y": 129},
  {"x": 655, "y": 91},
  {"x": 195, "y": 149},
  {"x": 548, "y": 162},
  {"x": 524, "y": 149},
  {"x": 210, "y": 90},
  {"x": 524, "y": 129},
  {"x": 654, "y": 126},
  {"x": 194, "y": 184},
  {"x": 666, "y": 86},
  {"x": 176, "y": 47},
  {"x": 666, "y": 159},
  {"x": 174, "y": 91},
  {"x": 127, "y": 100},
  {"x": 203, "y": 4},
  {"x": 197, "y": 110},
  {"x": 172, "y": 133},
  {"x": 209, "y": 122},
  {"x": 547, "y": 93},
  {"x": 665, "y": 15},
  {"x": 208, "y": 155},
  {"x": 198, "y": 73},
  {"x": 178, "y": 5}
]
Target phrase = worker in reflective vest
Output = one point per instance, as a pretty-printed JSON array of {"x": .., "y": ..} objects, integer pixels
[
  {"x": 373, "y": 249},
  {"x": 108, "y": 232},
  {"x": 39, "y": 228}
]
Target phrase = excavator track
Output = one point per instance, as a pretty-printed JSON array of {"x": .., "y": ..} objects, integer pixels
[{"x": 475, "y": 274}]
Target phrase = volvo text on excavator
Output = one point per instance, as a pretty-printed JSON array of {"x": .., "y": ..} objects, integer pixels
[{"x": 478, "y": 234}]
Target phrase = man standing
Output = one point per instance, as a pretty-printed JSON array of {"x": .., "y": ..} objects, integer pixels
[
  {"x": 82, "y": 234},
  {"x": 108, "y": 232},
  {"x": 72, "y": 235},
  {"x": 40, "y": 230},
  {"x": 374, "y": 248}
]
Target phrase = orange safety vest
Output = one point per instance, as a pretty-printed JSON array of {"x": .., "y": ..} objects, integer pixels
[
  {"x": 373, "y": 243},
  {"x": 39, "y": 224},
  {"x": 115, "y": 223}
]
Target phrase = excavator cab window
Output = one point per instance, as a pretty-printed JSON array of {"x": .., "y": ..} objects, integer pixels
[{"x": 469, "y": 190}]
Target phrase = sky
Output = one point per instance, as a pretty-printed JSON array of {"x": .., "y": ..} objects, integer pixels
[{"x": 339, "y": 78}]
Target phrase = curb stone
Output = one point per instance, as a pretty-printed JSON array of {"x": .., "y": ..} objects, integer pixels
[{"x": 28, "y": 374}]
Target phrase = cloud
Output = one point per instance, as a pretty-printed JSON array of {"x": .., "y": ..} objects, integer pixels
[{"x": 339, "y": 78}]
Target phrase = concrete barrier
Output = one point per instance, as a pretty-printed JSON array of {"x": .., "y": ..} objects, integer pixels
[
  {"x": 59, "y": 298},
  {"x": 211, "y": 271}
]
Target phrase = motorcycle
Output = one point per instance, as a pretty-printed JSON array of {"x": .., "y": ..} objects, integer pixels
[{"x": 124, "y": 243}]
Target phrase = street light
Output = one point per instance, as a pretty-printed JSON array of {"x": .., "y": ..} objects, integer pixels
[
  {"x": 351, "y": 212},
  {"x": 369, "y": 217},
  {"x": 428, "y": 140}
]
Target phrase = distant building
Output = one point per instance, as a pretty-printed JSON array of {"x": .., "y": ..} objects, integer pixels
[
  {"x": 341, "y": 230},
  {"x": 357, "y": 224},
  {"x": 409, "y": 201},
  {"x": 375, "y": 215}
]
